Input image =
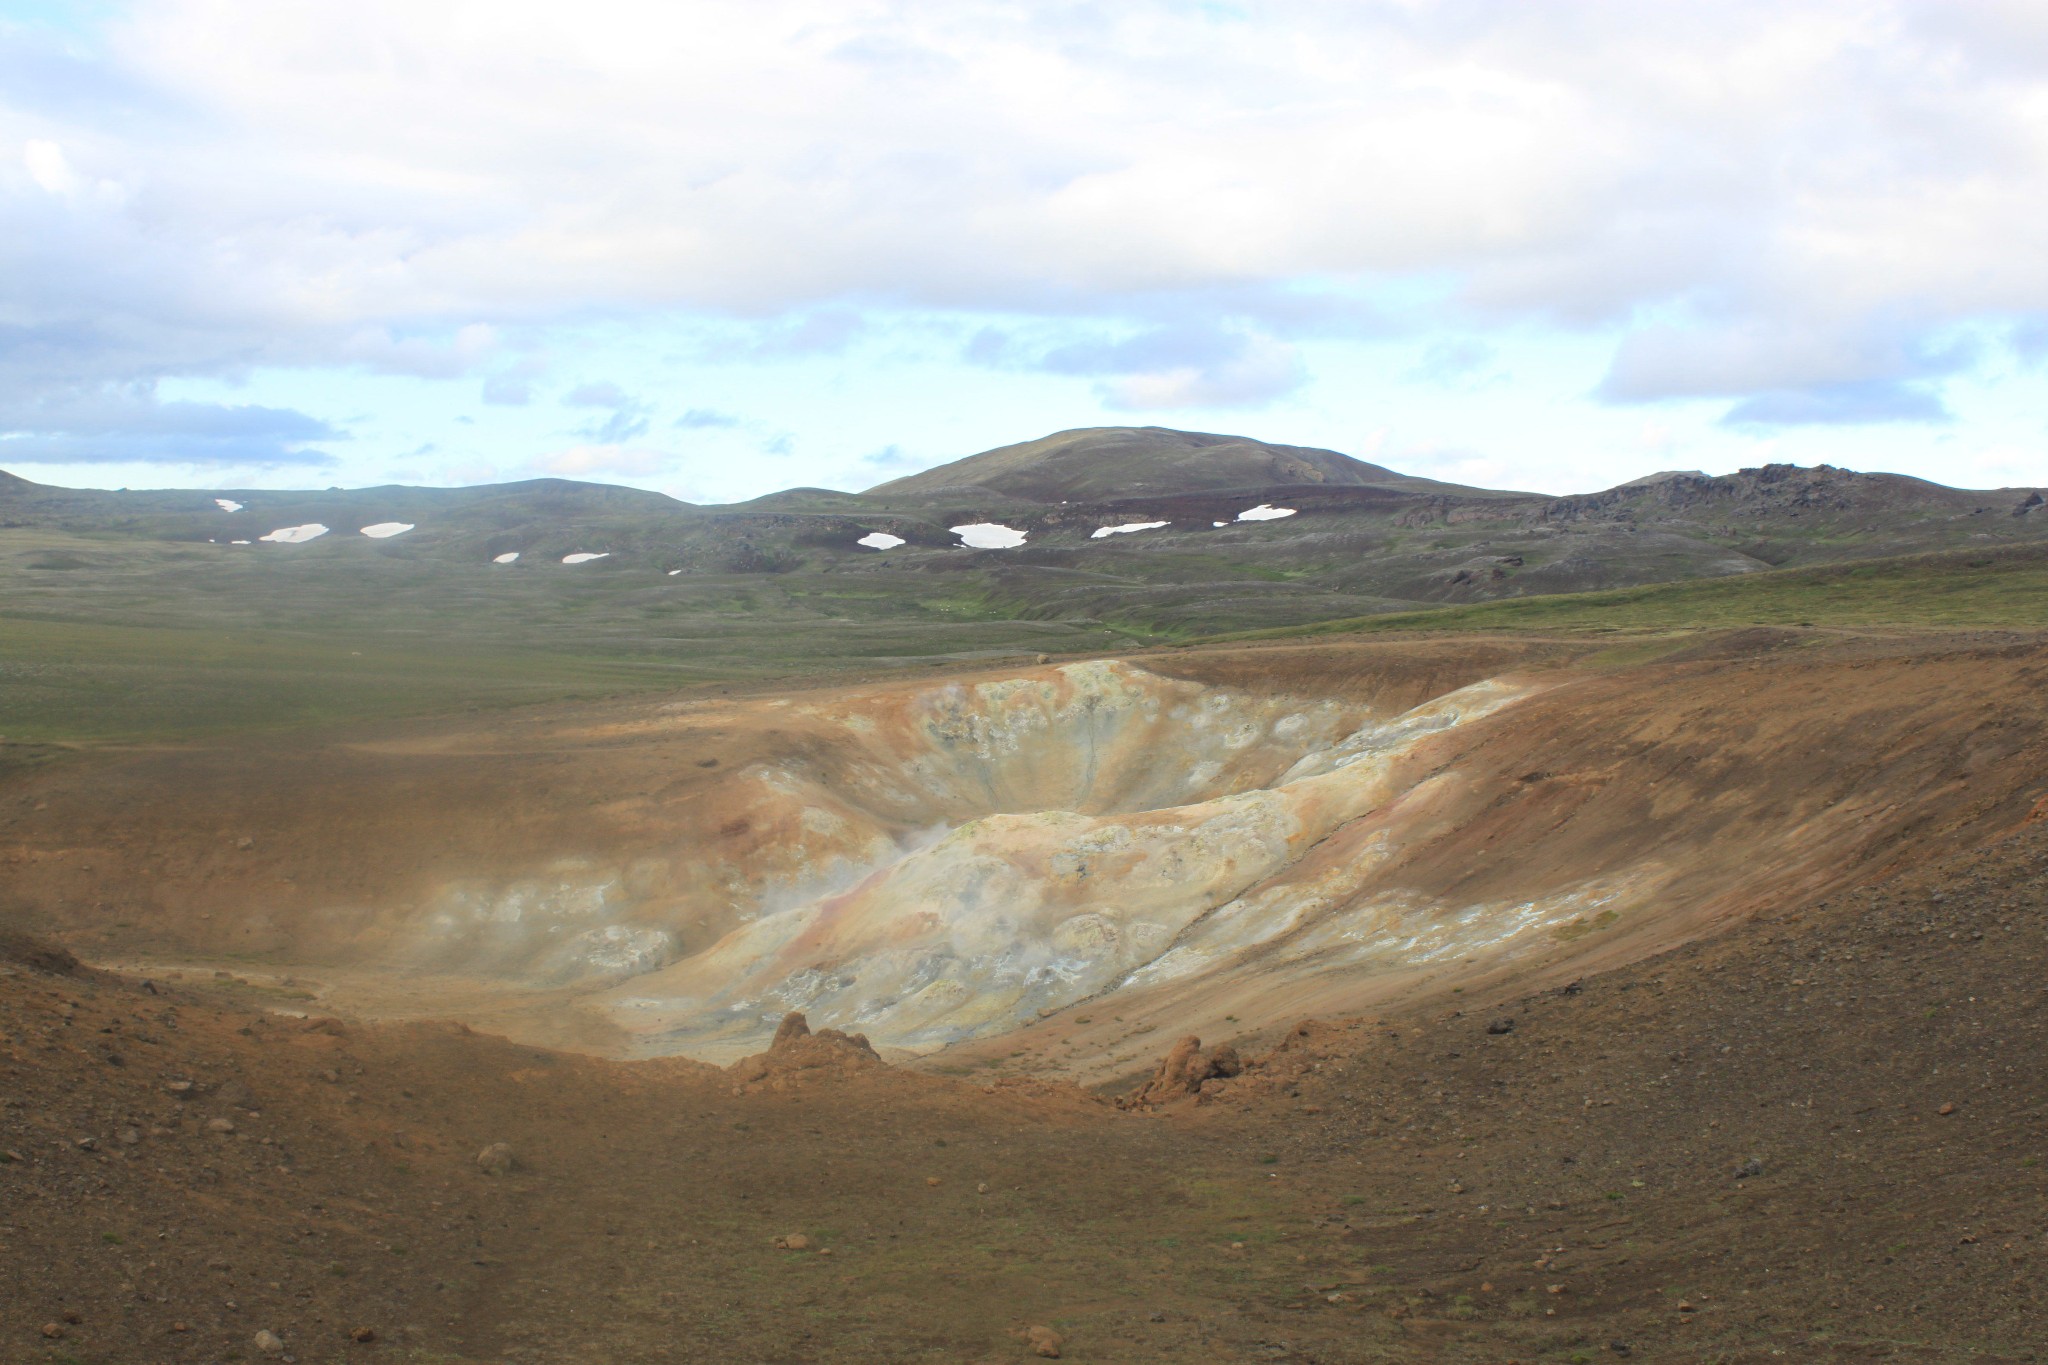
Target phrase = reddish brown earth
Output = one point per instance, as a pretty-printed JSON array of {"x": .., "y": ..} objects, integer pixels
[
  {"x": 1410, "y": 1181},
  {"x": 1628, "y": 797},
  {"x": 1401, "y": 1164}
]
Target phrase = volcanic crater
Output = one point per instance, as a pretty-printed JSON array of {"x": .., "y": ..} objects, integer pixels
[{"x": 1035, "y": 868}]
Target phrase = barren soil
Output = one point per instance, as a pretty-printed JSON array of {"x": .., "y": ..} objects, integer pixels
[
  {"x": 1402, "y": 1187},
  {"x": 1039, "y": 871},
  {"x": 1791, "y": 1106}
]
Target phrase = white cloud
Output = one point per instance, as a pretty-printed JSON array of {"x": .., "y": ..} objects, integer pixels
[
  {"x": 746, "y": 153},
  {"x": 323, "y": 185},
  {"x": 602, "y": 394},
  {"x": 432, "y": 357},
  {"x": 48, "y": 167},
  {"x": 133, "y": 425},
  {"x": 578, "y": 461},
  {"x": 2004, "y": 465},
  {"x": 1670, "y": 361},
  {"x": 1262, "y": 370},
  {"x": 1463, "y": 363}
]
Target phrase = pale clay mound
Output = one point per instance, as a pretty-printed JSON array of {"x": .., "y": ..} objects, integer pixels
[
  {"x": 1016, "y": 913},
  {"x": 979, "y": 854}
]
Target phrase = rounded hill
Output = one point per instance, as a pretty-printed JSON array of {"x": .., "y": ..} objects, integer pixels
[{"x": 1093, "y": 463}]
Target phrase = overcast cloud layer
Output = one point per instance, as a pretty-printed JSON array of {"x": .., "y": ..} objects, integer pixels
[{"x": 591, "y": 235}]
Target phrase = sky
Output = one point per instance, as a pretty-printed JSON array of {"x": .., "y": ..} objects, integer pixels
[{"x": 722, "y": 248}]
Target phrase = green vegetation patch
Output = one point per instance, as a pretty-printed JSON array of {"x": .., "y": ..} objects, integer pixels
[
  {"x": 70, "y": 682},
  {"x": 1998, "y": 589}
]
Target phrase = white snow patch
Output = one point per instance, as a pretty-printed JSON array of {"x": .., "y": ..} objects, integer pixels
[
  {"x": 384, "y": 530},
  {"x": 1127, "y": 528},
  {"x": 880, "y": 540},
  {"x": 238, "y": 542},
  {"x": 673, "y": 572},
  {"x": 585, "y": 557},
  {"x": 509, "y": 557},
  {"x": 1219, "y": 523},
  {"x": 227, "y": 504},
  {"x": 1264, "y": 512},
  {"x": 296, "y": 535},
  {"x": 989, "y": 535}
]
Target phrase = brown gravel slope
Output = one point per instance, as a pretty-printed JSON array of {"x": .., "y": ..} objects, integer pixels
[
  {"x": 1822, "y": 1131},
  {"x": 1413, "y": 1188}
]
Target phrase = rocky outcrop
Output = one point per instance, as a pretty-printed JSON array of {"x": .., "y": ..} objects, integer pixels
[
  {"x": 1182, "y": 1073},
  {"x": 1289, "y": 1072},
  {"x": 797, "y": 1054}
]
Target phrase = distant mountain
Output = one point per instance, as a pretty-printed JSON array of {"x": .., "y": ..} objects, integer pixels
[
  {"x": 1778, "y": 490},
  {"x": 1097, "y": 463},
  {"x": 1106, "y": 532},
  {"x": 482, "y": 503},
  {"x": 1786, "y": 514}
]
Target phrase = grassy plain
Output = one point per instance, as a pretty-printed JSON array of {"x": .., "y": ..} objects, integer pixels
[
  {"x": 144, "y": 641},
  {"x": 2000, "y": 589},
  {"x": 68, "y": 682},
  {"x": 105, "y": 640}
]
